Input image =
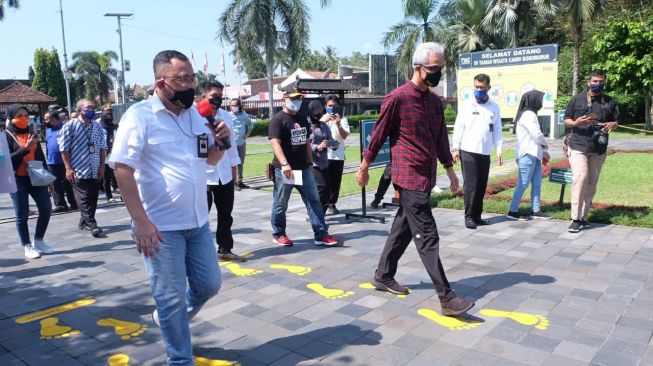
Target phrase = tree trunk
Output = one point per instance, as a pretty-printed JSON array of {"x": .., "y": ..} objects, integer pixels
[
  {"x": 576, "y": 31},
  {"x": 269, "y": 63},
  {"x": 649, "y": 110}
]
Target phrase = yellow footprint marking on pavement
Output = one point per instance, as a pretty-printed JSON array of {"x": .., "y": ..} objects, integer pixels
[
  {"x": 201, "y": 361},
  {"x": 298, "y": 270},
  {"x": 50, "y": 329},
  {"x": 247, "y": 255},
  {"x": 120, "y": 359},
  {"x": 329, "y": 293},
  {"x": 369, "y": 286},
  {"x": 536, "y": 320},
  {"x": 451, "y": 322},
  {"x": 46, "y": 313},
  {"x": 126, "y": 330},
  {"x": 238, "y": 271}
]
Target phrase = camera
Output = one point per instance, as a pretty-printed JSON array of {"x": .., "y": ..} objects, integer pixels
[{"x": 600, "y": 137}]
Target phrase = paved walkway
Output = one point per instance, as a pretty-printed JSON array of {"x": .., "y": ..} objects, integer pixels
[{"x": 543, "y": 296}]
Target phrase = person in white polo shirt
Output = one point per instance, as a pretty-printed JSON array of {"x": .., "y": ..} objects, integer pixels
[
  {"x": 159, "y": 155},
  {"x": 220, "y": 183},
  {"x": 477, "y": 130}
]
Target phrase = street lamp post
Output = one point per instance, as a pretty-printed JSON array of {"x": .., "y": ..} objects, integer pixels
[
  {"x": 122, "y": 60},
  {"x": 66, "y": 72}
]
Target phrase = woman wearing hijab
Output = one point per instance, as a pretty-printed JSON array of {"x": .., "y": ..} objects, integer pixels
[
  {"x": 531, "y": 153},
  {"x": 24, "y": 147}
]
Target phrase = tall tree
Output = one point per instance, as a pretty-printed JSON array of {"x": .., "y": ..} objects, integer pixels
[
  {"x": 580, "y": 12},
  {"x": 93, "y": 73},
  {"x": 517, "y": 20},
  {"x": 10, "y": 3},
  {"x": 625, "y": 47},
  {"x": 253, "y": 26},
  {"x": 42, "y": 69},
  {"x": 56, "y": 82},
  {"x": 30, "y": 75},
  {"x": 417, "y": 27}
]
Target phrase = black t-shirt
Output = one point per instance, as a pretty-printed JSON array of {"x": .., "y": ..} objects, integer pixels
[
  {"x": 293, "y": 132},
  {"x": 602, "y": 106}
]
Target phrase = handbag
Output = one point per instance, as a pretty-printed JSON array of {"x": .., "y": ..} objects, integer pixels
[{"x": 38, "y": 175}]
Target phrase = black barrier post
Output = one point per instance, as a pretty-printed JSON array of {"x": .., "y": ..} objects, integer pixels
[
  {"x": 562, "y": 194},
  {"x": 364, "y": 215}
]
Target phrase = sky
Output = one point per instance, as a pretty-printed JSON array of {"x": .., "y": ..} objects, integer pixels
[{"x": 187, "y": 26}]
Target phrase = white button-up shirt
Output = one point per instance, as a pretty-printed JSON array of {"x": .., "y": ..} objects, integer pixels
[
  {"x": 530, "y": 139},
  {"x": 162, "y": 149},
  {"x": 221, "y": 172},
  {"x": 472, "y": 129}
]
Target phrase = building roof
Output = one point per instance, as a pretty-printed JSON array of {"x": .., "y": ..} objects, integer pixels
[
  {"x": 321, "y": 86},
  {"x": 261, "y": 85},
  {"x": 6, "y": 82},
  {"x": 19, "y": 93}
]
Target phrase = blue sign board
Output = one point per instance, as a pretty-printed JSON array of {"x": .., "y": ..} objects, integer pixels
[
  {"x": 383, "y": 157},
  {"x": 509, "y": 57}
]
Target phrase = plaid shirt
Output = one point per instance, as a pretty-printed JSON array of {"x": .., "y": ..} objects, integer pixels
[{"x": 414, "y": 121}]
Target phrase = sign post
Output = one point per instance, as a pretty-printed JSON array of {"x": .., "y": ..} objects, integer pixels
[
  {"x": 382, "y": 158},
  {"x": 563, "y": 177}
]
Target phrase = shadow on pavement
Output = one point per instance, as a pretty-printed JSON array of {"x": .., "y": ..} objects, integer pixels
[{"x": 315, "y": 344}]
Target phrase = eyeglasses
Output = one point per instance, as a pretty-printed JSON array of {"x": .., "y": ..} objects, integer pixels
[
  {"x": 182, "y": 80},
  {"x": 431, "y": 68}
]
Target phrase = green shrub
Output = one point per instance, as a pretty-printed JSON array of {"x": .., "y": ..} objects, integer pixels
[
  {"x": 261, "y": 127},
  {"x": 562, "y": 102},
  {"x": 631, "y": 107},
  {"x": 449, "y": 115}
]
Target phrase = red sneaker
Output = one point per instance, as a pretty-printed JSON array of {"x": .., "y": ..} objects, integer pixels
[
  {"x": 282, "y": 240},
  {"x": 327, "y": 240}
]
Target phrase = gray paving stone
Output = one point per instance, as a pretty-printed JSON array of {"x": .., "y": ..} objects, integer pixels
[{"x": 539, "y": 342}]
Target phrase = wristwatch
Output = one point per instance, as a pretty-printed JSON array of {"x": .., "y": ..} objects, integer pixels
[{"x": 284, "y": 162}]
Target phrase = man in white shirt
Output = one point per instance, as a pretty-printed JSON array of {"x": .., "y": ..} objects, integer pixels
[
  {"x": 339, "y": 130},
  {"x": 477, "y": 130},
  {"x": 159, "y": 155},
  {"x": 220, "y": 182}
]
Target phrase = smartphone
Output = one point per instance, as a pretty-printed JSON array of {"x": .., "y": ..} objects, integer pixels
[{"x": 593, "y": 115}]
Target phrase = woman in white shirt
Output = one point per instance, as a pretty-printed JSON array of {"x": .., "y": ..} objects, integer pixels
[{"x": 531, "y": 153}]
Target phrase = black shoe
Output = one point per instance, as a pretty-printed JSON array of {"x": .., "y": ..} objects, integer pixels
[
  {"x": 541, "y": 215},
  {"x": 391, "y": 286},
  {"x": 456, "y": 306},
  {"x": 375, "y": 203},
  {"x": 60, "y": 209},
  {"x": 470, "y": 224},
  {"x": 515, "y": 216},
  {"x": 95, "y": 230},
  {"x": 242, "y": 185},
  {"x": 73, "y": 208},
  {"x": 237, "y": 188},
  {"x": 575, "y": 226},
  {"x": 481, "y": 222},
  {"x": 584, "y": 224}
]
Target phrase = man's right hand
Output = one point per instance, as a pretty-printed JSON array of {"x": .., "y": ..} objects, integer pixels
[
  {"x": 583, "y": 120},
  {"x": 287, "y": 171},
  {"x": 147, "y": 237},
  {"x": 456, "y": 156},
  {"x": 362, "y": 177},
  {"x": 70, "y": 175}
]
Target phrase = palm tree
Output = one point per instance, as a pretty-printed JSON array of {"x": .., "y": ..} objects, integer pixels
[
  {"x": 10, "y": 3},
  {"x": 418, "y": 26},
  {"x": 93, "y": 73},
  {"x": 253, "y": 26},
  {"x": 580, "y": 11},
  {"x": 517, "y": 20}
]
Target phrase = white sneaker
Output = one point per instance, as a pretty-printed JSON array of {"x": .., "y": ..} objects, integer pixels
[
  {"x": 41, "y": 246},
  {"x": 31, "y": 252}
]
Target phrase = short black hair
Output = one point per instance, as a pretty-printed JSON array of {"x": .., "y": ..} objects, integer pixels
[
  {"x": 332, "y": 97},
  {"x": 214, "y": 84},
  {"x": 238, "y": 101},
  {"x": 483, "y": 78},
  {"x": 165, "y": 58},
  {"x": 597, "y": 72},
  {"x": 54, "y": 114}
]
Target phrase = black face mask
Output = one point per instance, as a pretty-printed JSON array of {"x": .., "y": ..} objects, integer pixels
[
  {"x": 184, "y": 98},
  {"x": 216, "y": 102},
  {"x": 433, "y": 79}
]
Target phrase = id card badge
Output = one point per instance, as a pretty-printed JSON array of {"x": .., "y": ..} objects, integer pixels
[
  {"x": 491, "y": 127},
  {"x": 203, "y": 146},
  {"x": 91, "y": 148}
]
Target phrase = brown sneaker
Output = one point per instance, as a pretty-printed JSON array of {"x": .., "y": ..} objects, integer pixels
[
  {"x": 456, "y": 306},
  {"x": 391, "y": 286},
  {"x": 229, "y": 256}
]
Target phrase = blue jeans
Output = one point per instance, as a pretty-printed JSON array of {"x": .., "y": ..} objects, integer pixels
[
  {"x": 530, "y": 171},
  {"x": 183, "y": 276},
  {"x": 20, "y": 198},
  {"x": 311, "y": 199}
]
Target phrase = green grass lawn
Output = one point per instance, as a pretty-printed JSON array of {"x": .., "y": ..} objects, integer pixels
[
  {"x": 623, "y": 182},
  {"x": 624, "y": 132}
]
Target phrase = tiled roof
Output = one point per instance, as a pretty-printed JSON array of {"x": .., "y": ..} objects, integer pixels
[{"x": 19, "y": 93}]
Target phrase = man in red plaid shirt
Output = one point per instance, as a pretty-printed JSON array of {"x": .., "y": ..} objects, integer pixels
[{"x": 413, "y": 117}]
